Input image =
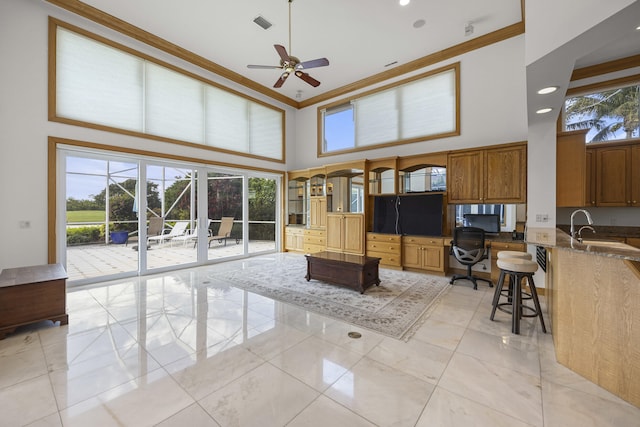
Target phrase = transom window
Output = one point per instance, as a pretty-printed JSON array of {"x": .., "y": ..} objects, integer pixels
[
  {"x": 608, "y": 114},
  {"x": 416, "y": 109}
]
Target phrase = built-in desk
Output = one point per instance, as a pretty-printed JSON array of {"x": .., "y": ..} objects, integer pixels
[{"x": 32, "y": 294}]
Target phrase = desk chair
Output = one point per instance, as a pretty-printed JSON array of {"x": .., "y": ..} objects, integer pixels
[{"x": 468, "y": 248}]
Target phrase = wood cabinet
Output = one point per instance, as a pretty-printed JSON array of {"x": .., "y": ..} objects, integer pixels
[
  {"x": 382, "y": 176},
  {"x": 502, "y": 246},
  {"x": 496, "y": 175},
  {"x": 345, "y": 233},
  {"x": 633, "y": 241},
  {"x": 423, "y": 253},
  {"x": 387, "y": 247},
  {"x": 294, "y": 239},
  {"x": 318, "y": 214},
  {"x": 314, "y": 240},
  {"x": 617, "y": 175},
  {"x": 571, "y": 170},
  {"x": 590, "y": 178}
]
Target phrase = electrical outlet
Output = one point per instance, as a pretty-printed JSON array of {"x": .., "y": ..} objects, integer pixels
[
  {"x": 24, "y": 224},
  {"x": 542, "y": 217}
]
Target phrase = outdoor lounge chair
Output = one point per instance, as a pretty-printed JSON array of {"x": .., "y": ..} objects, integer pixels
[
  {"x": 179, "y": 229},
  {"x": 154, "y": 228},
  {"x": 224, "y": 232},
  {"x": 190, "y": 235}
]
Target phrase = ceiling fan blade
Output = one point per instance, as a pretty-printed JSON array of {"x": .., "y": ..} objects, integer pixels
[
  {"x": 281, "y": 80},
  {"x": 307, "y": 78},
  {"x": 320, "y": 62},
  {"x": 282, "y": 51},
  {"x": 266, "y": 67}
]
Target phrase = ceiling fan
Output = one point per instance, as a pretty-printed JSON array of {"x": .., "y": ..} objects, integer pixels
[{"x": 290, "y": 64}]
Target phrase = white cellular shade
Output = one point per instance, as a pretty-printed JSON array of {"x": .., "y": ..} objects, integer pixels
[
  {"x": 266, "y": 131},
  {"x": 376, "y": 118},
  {"x": 414, "y": 110},
  {"x": 226, "y": 120},
  {"x": 98, "y": 84},
  {"x": 428, "y": 106},
  {"x": 174, "y": 105}
]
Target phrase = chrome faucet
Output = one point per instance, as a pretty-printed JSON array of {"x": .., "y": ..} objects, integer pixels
[
  {"x": 589, "y": 220},
  {"x": 587, "y": 227}
]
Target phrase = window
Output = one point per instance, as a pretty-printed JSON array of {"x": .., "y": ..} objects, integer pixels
[
  {"x": 105, "y": 84},
  {"x": 420, "y": 108},
  {"x": 608, "y": 114}
]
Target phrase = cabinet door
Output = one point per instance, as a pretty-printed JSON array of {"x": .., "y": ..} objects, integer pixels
[
  {"x": 590, "y": 178},
  {"x": 318, "y": 212},
  {"x": 353, "y": 234},
  {"x": 411, "y": 255},
  {"x": 505, "y": 175},
  {"x": 635, "y": 176},
  {"x": 433, "y": 258},
  {"x": 611, "y": 176},
  {"x": 335, "y": 232},
  {"x": 570, "y": 170},
  {"x": 465, "y": 177}
]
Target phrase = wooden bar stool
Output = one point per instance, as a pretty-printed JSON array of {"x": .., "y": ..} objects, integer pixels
[{"x": 518, "y": 269}]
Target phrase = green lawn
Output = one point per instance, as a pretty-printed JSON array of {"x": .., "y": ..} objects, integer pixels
[{"x": 85, "y": 216}]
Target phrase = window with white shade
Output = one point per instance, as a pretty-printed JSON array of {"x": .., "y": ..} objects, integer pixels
[
  {"x": 100, "y": 83},
  {"x": 413, "y": 110}
]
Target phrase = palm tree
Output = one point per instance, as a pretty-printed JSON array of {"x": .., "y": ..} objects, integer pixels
[{"x": 607, "y": 112}]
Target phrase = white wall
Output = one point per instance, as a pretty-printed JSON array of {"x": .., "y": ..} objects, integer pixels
[
  {"x": 493, "y": 108},
  {"x": 25, "y": 128},
  {"x": 552, "y": 23}
]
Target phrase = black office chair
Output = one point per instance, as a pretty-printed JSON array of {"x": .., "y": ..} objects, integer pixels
[{"x": 468, "y": 248}]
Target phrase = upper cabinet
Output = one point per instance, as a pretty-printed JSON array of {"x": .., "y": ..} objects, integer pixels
[
  {"x": 496, "y": 175},
  {"x": 572, "y": 170},
  {"x": 298, "y": 197},
  {"x": 601, "y": 174},
  {"x": 617, "y": 175}
]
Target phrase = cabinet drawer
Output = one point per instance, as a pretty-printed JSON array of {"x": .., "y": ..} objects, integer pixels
[
  {"x": 426, "y": 241},
  {"x": 386, "y": 258},
  {"x": 383, "y": 247},
  {"x": 294, "y": 230},
  {"x": 310, "y": 249},
  {"x": 388, "y": 238},
  {"x": 314, "y": 232},
  {"x": 315, "y": 240},
  {"x": 504, "y": 246}
]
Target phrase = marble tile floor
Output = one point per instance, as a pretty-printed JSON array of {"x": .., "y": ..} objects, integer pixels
[{"x": 175, "y": 350}]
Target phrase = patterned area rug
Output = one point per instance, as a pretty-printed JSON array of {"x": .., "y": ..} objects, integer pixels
[{"x": 395, "y": 308}]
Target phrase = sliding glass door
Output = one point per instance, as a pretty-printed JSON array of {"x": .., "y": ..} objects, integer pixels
[{"x": 115, "y": 227}]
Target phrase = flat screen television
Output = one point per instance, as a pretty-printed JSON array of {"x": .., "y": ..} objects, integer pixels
[
  {"x": 490, "y": 223},
  {"x": 416, "y": 214}
]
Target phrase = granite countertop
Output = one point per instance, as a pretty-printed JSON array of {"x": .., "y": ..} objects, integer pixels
[{"x": 556, "y": 238}]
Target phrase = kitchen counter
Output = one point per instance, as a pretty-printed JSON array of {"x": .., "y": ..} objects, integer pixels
[
  {"x": 593, "y": 295},
  {"x": 556, "y": 238}
]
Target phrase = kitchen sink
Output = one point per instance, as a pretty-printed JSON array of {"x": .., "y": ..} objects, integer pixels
[{"x": 609, "y": 244}]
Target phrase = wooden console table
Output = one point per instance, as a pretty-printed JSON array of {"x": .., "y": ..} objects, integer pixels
[
  {"x": 32, "y": 294},
  {"x": 354, "y": 271}
]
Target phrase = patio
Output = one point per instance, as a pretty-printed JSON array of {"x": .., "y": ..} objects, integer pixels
[{"x": 91, "y": 261}]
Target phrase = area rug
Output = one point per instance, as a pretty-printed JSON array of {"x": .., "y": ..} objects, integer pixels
[{"x": 395, "y": 308}]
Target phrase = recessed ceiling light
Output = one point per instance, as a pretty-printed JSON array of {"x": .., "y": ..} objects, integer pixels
[
  {"x": 638, "y": 28},
  {"x": 547, "y": 90},
  {"x": 544, "y": 110},
  {"x": 404, "y": 2}
]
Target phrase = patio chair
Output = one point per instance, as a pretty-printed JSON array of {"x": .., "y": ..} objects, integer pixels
[
  {"x": 179, "y": 229},
  {"x": 154, "y": 228},
  {"x": 224, "y": 232},
  {"x": 190, "y": 235}
]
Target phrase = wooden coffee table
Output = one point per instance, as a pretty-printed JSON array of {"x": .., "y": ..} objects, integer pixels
[{"x": 353, "y": 271}]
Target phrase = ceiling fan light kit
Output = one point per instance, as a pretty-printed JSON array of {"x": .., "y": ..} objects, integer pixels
[{"x": 291, "y": 64}]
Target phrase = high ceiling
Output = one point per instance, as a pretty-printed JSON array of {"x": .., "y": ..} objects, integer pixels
[{"x": 360, "y": 38}]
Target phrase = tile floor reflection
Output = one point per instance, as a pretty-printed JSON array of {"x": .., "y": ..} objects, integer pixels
[{"x": 175, "y": 350}]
